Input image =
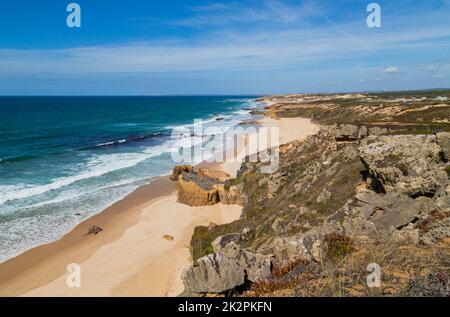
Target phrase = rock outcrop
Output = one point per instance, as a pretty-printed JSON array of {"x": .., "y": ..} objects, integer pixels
[
  {"x": 404, "y": 163},
  {"x": 213, "y": 273},
  {"x": 228, "y": 267},
  {"x": 194, "y": 190},
  {"x": 180, "y": 169},
  {"x": 207, "y": 187},
  {"x": 347, "y": 133}
]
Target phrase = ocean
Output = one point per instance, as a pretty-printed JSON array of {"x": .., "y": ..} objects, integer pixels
[{"x": 65, "y": 159}]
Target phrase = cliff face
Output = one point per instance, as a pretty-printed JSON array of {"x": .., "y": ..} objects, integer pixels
[{"x": 352, "y": 195}]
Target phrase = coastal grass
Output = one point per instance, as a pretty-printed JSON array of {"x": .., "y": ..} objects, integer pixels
[{"x": 402, "y": 266}]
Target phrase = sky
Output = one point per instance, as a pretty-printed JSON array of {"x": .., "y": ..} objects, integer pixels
[{"x": 196, "y": 47}]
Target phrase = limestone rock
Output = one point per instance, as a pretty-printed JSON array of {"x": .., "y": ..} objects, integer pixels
[
  {"x": 404, "y": 163},
  {"x": 213, "y": 273},
  {"x": 227, "y": 268},
  {"x": 442, "y": 197},
  {"x": 196, "y": 191},
  {"x": 177, "y": 170},
  {"x": 363, "y": 132},
  {"x": 256, "y": 266},
  {"x": 387, "y": 212},
  {"x": 407, "y": 235}
]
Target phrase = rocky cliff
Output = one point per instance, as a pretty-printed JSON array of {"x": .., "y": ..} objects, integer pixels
[{"x": 371, "y": 187}]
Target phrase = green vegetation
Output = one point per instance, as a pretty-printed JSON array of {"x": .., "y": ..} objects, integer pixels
[
  {"x": 338, "y": 246},
  {"x": 203, "y": 237}
]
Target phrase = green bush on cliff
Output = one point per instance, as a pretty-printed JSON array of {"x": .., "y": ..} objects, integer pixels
[{"x": 338, "y": 246}]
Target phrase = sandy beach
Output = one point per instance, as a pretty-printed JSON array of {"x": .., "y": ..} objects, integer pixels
[{"x": 131, "y": 256}]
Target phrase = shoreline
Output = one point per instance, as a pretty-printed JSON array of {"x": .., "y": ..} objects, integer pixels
[{"x": 141, "y": 218}]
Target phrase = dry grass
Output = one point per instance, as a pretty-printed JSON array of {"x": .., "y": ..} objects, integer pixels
[{"x": 401, "y": 267}]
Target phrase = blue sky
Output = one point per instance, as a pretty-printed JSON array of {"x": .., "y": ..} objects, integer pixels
[{"x": 222, "y": 47}]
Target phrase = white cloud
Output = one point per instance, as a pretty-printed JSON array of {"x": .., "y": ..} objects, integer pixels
[
  {"x": 233, "y": 13},
  {"x": 391, "y": 70},
  {"x": 235, "y": 50}
]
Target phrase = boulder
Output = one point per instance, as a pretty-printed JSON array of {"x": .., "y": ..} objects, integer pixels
[
  {"x": 443, "y": 140},
  {"x": 442, "y": 198},
  {"x": 347, "y": 132},
  {"x": 213, "y": 273},
  {"x": 387, "y": 212},
  {"x": 407, "y": 235},
  {"x": 196, "y": 191},
  {"x": 228, "y": 267},
  {"x": 177, "y": 170},
  {"x": 363, "y": 132},
  {"x": 94, "y": 230}
]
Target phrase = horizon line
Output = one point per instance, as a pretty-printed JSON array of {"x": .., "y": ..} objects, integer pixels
[{"x": 225, "y": 95}]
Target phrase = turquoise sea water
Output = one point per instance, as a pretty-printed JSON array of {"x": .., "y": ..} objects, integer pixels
[{"x": 64, "y": 159}]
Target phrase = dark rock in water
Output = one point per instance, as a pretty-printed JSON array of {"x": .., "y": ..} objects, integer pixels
[
  {"x": 177, "y": 170},
  {"x": 257, "y": 112},
  {"x": 94, "y": 230}
]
